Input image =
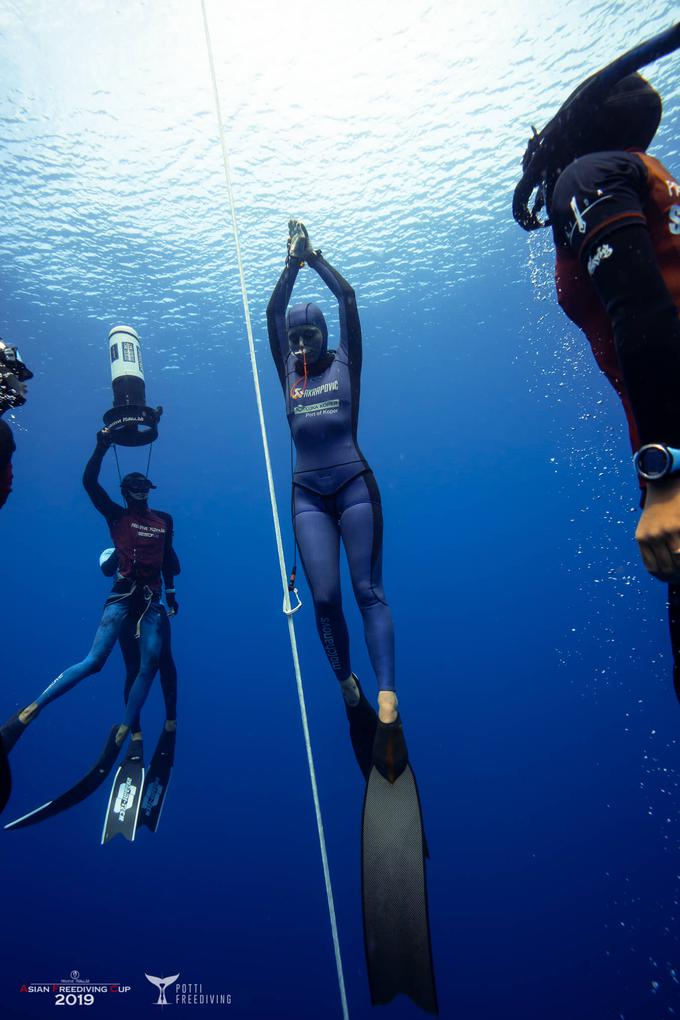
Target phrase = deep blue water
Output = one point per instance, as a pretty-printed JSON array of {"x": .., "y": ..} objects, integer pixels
[{"x": 533, "y": 665}]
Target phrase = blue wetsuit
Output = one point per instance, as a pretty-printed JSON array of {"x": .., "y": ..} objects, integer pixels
[{"x": 335, "y": 495}]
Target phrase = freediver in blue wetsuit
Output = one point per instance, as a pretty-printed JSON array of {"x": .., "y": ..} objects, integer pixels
[
  {"x": 336, "y": 498},
  {"x": 335, "y": 495}
]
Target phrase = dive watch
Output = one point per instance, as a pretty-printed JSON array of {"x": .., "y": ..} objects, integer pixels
[{"x": 656, "y": 461}]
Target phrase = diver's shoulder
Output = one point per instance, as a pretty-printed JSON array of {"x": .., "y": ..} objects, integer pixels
[
  {"x": 592, "y": 170},
  {"x": 163, "y": 514}
]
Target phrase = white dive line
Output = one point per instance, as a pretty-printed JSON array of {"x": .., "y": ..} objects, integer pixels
[{"x": 277, "y": 526}]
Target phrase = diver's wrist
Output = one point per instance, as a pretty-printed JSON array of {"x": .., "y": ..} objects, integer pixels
[
  {"x": 656, "y": 462},
  {"x": 659, "y": 493}
]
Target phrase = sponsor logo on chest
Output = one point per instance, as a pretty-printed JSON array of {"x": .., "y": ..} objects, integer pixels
[
  {"x": 298, "y": 392},
  {"x": 148, "y": 531}
]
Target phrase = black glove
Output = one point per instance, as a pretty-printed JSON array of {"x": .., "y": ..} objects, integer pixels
[
  {"x": 173, "y": 604},
  {"x": 104, "y": 439}
]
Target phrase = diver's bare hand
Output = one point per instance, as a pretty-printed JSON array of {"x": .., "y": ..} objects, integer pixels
[
  {"x": 658, "y": 531},
  {"x": 299, "y": 244}
]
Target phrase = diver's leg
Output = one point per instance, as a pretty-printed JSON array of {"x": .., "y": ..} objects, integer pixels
[
  {"x": 129, "y": 646},
  {"x": 104, "y": 640},
  {"x": 318, "y": 540},
  {"x": 149, "y": 653},
  {"x": 168, "y": 672},
  {"x": 361, "y": 526}
]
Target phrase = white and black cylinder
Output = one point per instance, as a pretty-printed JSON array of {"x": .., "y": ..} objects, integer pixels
[
  {"x": 127, "y": 371},
  {"x": 130, "y": 421}
]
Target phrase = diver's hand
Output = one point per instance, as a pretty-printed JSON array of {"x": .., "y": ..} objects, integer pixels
[
  {"x": 104, "y": 439},
  {"x": 299, "y": 245},
  {"x": 658, "y": 531},
  {"x": 173, "y": 604}
]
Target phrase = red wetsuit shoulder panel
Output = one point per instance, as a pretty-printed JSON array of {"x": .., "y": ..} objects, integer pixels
[{"x": 662, "y": 212}]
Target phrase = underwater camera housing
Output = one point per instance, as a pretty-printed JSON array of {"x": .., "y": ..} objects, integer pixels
[{"x": 130, "y": 421}]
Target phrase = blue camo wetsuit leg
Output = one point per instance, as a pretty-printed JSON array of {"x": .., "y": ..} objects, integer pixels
[
  {"x": 105, "y": 638},
  {"x": 150, "y": 643},
  {"x": 335, "y": 496},
  {"x": 114, "y": 618},
  {"x": 130, "y": 648}
]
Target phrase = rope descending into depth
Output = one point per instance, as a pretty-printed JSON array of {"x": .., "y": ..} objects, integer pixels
[{"x": 277, "y": 526}]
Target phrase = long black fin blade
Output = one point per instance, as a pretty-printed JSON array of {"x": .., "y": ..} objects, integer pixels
[
  {"x": 394, "y": 890},
  {"x": 157, "y": 781},
  {"x": 86, "y": 786}
]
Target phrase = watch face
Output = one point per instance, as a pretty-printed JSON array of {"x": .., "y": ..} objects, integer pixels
[{"x": 653, "y": 462}]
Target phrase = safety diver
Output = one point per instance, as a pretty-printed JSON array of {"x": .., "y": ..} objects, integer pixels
[
  {"x": 143, "y": 541},
  {"x": 614, "y": 211},
  {"x": 335, "y": 495}
]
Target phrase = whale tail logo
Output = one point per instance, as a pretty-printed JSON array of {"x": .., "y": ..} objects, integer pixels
[{"x": 161, "y": 984}]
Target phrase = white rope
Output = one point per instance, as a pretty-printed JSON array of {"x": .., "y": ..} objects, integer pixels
[{"x": 277, "y": 527}]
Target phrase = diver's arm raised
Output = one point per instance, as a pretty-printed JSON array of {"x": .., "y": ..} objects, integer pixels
[
  {"x": 276, "y": 314},
  {"x": 350, "y": 326},
  {"x": 100, "y": 498}
]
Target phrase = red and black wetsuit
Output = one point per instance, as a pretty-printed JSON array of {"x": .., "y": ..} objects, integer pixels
[
  {"x": 616, "y": 226},
  {"x": 142, "y": 538},
  {"x": 7, "y": 448}
]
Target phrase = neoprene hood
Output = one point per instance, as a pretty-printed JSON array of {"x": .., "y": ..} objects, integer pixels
[
  {"x": 627, "y": 119},
  {"x": 615, "y": 108},
  {"x": 300, "y": 316}
]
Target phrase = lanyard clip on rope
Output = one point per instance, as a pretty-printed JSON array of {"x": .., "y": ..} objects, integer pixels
[{"x": 292, "y": 590}]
